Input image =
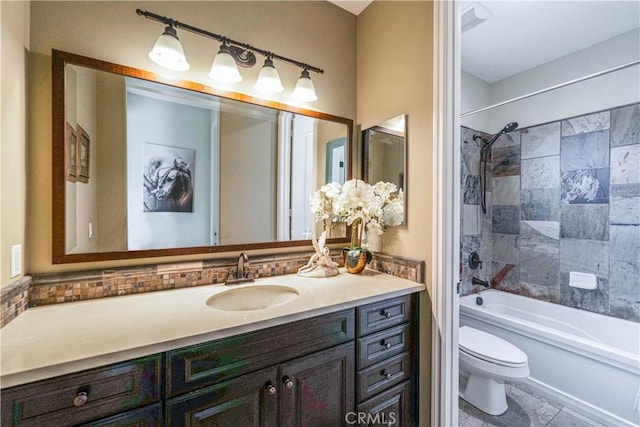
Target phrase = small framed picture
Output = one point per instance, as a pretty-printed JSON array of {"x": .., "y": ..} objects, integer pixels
[
  {"x": 82, "y": 156},
  {"x": 70, "y": 153}
]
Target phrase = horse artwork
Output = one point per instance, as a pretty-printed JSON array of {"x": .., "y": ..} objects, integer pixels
[{"x": 168, "y": 179}]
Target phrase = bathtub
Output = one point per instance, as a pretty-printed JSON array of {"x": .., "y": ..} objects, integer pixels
[{"x": 587, "y": 361}]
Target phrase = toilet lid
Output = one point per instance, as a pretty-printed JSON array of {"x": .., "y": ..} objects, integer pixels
[{"x": 490, "y": 348}]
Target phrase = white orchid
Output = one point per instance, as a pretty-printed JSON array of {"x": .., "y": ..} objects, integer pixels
[{"x": 360, "y": 205}]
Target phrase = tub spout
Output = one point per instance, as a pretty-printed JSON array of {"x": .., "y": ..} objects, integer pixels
[{"x": 476, "y": 281}]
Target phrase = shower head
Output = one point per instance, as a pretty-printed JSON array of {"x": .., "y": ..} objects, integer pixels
[{"x": 510, "y": 127}]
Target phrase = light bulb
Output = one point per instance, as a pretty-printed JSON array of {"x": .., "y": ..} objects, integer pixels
[
  {"x": 224, "y": 68},
  {"x": 269, "y": 79},
  {"x": 304, "y": 90}
]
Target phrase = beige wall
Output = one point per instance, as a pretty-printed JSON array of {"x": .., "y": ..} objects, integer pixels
[
  {"x": 111, "y": 227},
  {"x": 248, "y": 147},
  {"x": 395, "y": 55},
  {"x": 85, "y": 194},
  {"x": 14, "y": 42},
  {"x": 112, "y": 31},
  {"x": 395, "y": 77}
]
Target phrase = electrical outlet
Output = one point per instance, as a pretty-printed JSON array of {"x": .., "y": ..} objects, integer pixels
[{"x": 16, "y": 260}]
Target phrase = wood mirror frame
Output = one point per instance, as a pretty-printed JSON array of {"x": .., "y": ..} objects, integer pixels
[{"x": 59, "y": 255}]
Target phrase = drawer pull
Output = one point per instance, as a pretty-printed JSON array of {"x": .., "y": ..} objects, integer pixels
[
  {"x": 288, "y": 382},
  {"x": 385, "y": 314},
  {"x": 81, "y": 398},
  {"x": 386, "y": 375},
  {"x": 385, "y": 344},
  {"x": 271, "y": 389}
]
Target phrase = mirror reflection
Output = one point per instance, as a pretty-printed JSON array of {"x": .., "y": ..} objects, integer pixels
[
  {"x": 384, "y": 153},
  {"x": 164, "y": 167}
]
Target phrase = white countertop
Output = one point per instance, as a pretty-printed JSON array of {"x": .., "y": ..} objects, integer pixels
[{"x": 59, "y": 339}]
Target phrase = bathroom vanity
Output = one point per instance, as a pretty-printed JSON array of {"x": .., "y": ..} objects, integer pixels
[{"x": 345, "y": 345}]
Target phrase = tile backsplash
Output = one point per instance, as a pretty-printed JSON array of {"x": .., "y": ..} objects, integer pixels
[
  {"x": 68, "y": 287},
  {"x": 565, "y": 196}
]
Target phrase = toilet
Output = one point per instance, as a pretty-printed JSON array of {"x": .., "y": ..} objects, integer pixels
[{"x": 489, "y": 361}]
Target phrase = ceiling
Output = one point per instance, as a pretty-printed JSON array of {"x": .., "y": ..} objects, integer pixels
[
  {"x": 524, "y": 34},
  {"x": 353, "y": 6}
]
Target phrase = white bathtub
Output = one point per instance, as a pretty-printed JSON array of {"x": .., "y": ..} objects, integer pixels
[{"x": 587, "y": 361}]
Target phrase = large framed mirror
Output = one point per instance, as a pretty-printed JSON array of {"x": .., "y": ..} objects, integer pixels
[
  {"x": 147, "y": 166},
  {"x": 384, "y": 153}
]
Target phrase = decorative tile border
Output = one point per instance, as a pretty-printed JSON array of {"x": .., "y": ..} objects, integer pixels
[
  {"x": 405, "y": 268},
  {"x": 14, "y": 299},
  {"x": 81, "y": 286}
]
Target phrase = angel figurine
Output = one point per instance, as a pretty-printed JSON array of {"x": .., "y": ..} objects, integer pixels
[{"x": 320, "y": 264}]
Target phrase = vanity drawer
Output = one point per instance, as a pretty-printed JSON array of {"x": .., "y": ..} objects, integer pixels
[
  {"x": 193, "y": 367},
  {"x": 87, "y": 396},
  {"x": 383, "y": 375},
  {"x": 381, "y": 315},
  {"x": 382, "y": 345},
  {"x": 390, "y": 408}
]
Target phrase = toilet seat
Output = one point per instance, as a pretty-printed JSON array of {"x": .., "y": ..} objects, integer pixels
[{"x": 490, "y": 348}]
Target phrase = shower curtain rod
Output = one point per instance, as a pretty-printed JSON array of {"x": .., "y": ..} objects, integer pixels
[{"x": 550, "y": 88}]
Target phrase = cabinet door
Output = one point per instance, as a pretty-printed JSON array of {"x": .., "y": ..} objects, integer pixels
[
  {"x": 250, "y": 400},
  {"x": 318, "y": 390}
]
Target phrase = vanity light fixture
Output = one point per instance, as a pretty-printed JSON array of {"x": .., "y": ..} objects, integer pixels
[{"x": 168, "y": 53}]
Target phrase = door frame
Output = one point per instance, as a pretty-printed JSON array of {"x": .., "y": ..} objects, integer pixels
[{"x": 446, "y": 202}]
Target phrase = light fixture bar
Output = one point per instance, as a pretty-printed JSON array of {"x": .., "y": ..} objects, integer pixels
[{"x": 223, "y": 39}]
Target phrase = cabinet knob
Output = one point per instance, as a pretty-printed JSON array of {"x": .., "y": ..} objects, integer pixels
[
  {"x": 385, "y": 313},
  {"x": 386, "y": 375},
  {"x": 81, "y": 398},
  {"x": 271, "y": 389},
  {"x": 288, "y": 382},
  {"x": 385, "y": 344}
]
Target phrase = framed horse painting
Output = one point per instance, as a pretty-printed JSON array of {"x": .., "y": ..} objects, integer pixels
[
  {"x": 70, "y": 152},
  {"x": 168, "y": 178},
  {"x": 82, "y": 156}
]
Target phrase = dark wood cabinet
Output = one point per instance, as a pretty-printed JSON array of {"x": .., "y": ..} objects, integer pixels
[
  {"x": 318, "y": 390},
  {"x": 386, "y": 361},
  {"x": 196, "y": 366},
  {"x": 314, "y": 390},
  {"x": 84, "y": 396},
  {"x": 352, "y": 366},
  {"x": 250, "y": 400}
]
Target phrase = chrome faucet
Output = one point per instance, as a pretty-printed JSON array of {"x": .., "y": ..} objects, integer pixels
[{"x": 241, "y": 276}]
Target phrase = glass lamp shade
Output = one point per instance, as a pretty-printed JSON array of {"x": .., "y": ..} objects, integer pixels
[
  {"x": 168, "y": 52},
  {"x": 224, "y": 68},
  {"x": 304, "y": 90},
  {"x": 269, "y": 79}
]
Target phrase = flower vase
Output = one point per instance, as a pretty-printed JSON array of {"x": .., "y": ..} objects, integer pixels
[
  {"x": 356, "y": 257},
  {"x": 355, "y": 260}
]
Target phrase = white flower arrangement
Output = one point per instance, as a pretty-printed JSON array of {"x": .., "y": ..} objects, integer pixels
[{"x": 360, "y": 205}]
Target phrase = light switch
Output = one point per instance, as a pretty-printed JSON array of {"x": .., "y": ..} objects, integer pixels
[{"x": 16, "y": 260}]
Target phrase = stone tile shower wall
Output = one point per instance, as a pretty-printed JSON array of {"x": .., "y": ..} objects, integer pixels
[
  {"x": 475, "y": 228},
  {"x": 566, "y": 197}
]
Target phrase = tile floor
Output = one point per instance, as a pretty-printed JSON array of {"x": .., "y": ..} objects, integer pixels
[{"x": 526, "y": 408}]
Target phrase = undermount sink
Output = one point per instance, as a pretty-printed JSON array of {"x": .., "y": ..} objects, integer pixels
[{"x": 256, "y": 297}]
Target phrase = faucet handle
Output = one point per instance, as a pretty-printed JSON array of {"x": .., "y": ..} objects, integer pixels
[{"x": 231, "y": 274}]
